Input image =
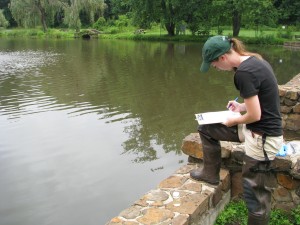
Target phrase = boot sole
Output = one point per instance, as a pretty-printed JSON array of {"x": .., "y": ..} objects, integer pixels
[{"x": 213, "y": 183}]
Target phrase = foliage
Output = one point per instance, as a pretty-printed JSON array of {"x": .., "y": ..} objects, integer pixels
[
  {"x": 261, "y": 13},
  {"x": 234, "y": 212},
  {"x": 279, "y": 217},
  {"x": 75, "y": 7},
  {"x": 197, "y": 15},
  {"x": 29, "y": 13},
  {"x": 296, "y": 215},
  {"x": 285, "y": 32},
  {"x": 3, "y": 21},
  {"x": 122, "y": 22},
  {"x": 288, "y": 11},
  {"x": 100, "y": 24}
]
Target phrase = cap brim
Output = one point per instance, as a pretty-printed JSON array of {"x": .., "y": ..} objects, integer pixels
[{"x": 204, "y": 67}]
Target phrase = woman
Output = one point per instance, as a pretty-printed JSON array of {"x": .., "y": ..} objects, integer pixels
[{"x": 259, "y": 125}]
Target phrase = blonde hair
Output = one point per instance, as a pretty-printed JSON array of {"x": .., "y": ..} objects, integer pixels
[{"x": 239, "y": 47}]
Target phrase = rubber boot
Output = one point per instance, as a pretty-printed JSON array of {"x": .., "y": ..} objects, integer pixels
[
  {"x": 210, "y": 136},
  {"x": 258, "y": 183},
  {"x": 211, "y": 156},
  {"x": 211, "y": 168}
]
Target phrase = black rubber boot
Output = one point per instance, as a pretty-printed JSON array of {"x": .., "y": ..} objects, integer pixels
[
  {"x": 258, "y": 183},
  {"x": 210, "y": 136},
  {"x": 211, "y": 168}
]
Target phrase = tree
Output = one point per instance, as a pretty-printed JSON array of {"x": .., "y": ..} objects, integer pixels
[
  {"x": 73, "y": 9},
  {"x": 6, "y": 12},
  {"x": 169, "y": 12},
  {"x": 3, "y": 21},
  {"x": 28, "y": 12},
  {"x": 198, "y": 15},
  {"x": 254, "y": 11},
  {"x": 261, "y": 13},
  {"x": 288, "y": 10}
]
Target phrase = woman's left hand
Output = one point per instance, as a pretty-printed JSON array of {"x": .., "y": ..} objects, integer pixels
[{"x": 230, "y": 122}]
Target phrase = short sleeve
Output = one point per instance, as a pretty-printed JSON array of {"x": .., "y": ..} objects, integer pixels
[{"x": 246, "y": 83}]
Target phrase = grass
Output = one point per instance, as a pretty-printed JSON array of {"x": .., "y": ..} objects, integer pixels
[
  {"x": 36, "y": 33},
  {"x": 249, "y": 36}
]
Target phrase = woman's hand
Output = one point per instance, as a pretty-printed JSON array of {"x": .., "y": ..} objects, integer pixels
[
  {"x": 252, "y": 108},
  {"x": 230, "y": 122},
  {"x": 236, "y": 107}
]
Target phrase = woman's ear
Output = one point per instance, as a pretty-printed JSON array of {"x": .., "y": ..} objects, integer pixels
[{"x": 223, "y": 57}]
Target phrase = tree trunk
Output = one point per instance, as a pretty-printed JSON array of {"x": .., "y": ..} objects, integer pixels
[
  {"x": 236, "y": 23},
  {"x": 170, "y": 28},
  {"x": 43, "y": 15},
  {"x": 168, "y": 16}
]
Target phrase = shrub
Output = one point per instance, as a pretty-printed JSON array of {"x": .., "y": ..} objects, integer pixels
[
  {"x": 99, "y": 24},
  {"x": 235, "y": 212},
  {"x": 296, "y": 215},
  {"x": 279, "y": 217}
]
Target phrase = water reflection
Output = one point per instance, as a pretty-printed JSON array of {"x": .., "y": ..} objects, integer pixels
[{"x": 80, "y": 119}]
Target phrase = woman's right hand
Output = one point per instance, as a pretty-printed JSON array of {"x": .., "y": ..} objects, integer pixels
[{"x": 236, "y": 107}]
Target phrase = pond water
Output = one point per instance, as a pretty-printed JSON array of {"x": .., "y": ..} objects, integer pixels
[{"x": 88, "y": 127}]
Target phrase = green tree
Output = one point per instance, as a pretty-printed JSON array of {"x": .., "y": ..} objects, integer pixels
[
  {"x": 197, "y": 14},
  {"x": 288, "y": 10},
  {"x": 120, "y": 7},
  {"x": 261, "y": 13},
  {"x": 28, "y": 12},
  {"x": 90, "y": 7},
  {"x": 3, "y": 21},
  {"x": 253, "y": 11},
  {"x": 170, "y": 13}
]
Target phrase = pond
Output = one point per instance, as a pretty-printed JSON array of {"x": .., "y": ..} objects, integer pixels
[{"x": 88, "y": 127}]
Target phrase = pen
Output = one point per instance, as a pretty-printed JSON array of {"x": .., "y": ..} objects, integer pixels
[{"x": 231, "y": 103}]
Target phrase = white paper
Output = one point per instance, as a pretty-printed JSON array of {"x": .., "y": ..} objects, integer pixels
[{"x": 215, "y": 117}]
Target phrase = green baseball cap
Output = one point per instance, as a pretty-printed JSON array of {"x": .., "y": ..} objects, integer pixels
[{"x": 213, "y": 48}]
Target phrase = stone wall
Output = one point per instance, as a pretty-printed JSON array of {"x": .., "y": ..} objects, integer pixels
[
  {"x": 290, "y": 104},
  {"x": 286, "y": 196},
  {"x": 199, "y": 202}
]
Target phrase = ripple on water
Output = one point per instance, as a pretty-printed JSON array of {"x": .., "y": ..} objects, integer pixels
[
  {"x": 16, "y": 63},
  {"x": 23, "y": 96}
]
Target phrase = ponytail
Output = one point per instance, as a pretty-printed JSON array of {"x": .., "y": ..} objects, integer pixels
[{"x": 239, "y": 47}]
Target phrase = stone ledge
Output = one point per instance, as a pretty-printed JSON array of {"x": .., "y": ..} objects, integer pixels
[
  {"x": 234, "y": 152},
  {"x": 196, "y": 199}
]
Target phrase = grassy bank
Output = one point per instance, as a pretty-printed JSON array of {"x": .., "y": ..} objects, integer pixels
[{"x": 156, "y": 34}]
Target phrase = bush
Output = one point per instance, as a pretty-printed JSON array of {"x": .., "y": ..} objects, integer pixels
[
  {"x": 285, "y": 32},
  {"x": 114, "y": 30},
  {"x": 279, "y": 217},
  {"x": 236, "y": 213},
  {"x": 296, "y": 215},
  {"x": 99, "y": 24}
]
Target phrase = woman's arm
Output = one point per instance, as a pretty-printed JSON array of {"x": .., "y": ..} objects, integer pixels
[{"x": 253, "y": 111}]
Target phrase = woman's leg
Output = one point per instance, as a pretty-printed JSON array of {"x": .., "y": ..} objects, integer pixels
[
  {"x": 258, "y": 182},
  {"x": 210, "y": 136}
]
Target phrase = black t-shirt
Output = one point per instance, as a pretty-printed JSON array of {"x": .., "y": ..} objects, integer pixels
[{"x": 256, "y": 77}]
